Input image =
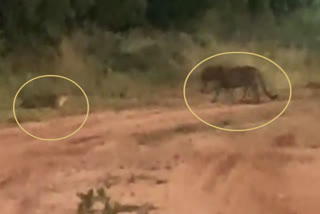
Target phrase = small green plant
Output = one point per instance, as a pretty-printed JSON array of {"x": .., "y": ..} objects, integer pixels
[{"x": 98, "y": 202}]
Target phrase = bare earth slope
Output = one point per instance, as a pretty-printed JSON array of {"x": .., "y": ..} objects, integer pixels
[{"x": 170, "y": 159}]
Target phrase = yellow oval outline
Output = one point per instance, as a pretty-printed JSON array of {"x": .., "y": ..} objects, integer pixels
[
  {"x": 50, "y": 139},
  {"x": 237, "y": 52}
]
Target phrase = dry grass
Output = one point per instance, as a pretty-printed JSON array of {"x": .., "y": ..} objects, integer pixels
[{"x": 143, "y": 69}]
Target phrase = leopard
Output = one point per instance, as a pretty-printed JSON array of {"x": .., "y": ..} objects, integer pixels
[
  {"x": 53, "y": 101},
  {"x": 232, "y": 77}
]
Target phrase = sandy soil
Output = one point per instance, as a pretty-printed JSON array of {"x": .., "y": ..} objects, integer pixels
[{"x": 170, "y": 159}]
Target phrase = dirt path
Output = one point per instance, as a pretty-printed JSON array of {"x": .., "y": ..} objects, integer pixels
[{"x": 170, "y": 159}]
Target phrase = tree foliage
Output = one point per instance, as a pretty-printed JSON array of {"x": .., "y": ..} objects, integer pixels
[{"x": 21, "y": 20}]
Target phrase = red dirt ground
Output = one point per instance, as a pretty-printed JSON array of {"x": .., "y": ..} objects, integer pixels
[{"x": 178, "y": 164}]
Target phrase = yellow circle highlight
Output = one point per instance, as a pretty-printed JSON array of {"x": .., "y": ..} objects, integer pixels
[
  {"x": 239, "y": 52},
  {"x": 52, "y": 139}
]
